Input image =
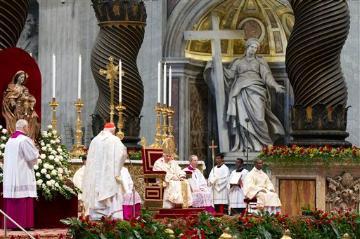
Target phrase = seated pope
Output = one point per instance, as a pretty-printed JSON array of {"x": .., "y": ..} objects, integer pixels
[
  {"x": 177, "y": 191},
  {"x": 258, "y": 185},
  {"x": 201, "y": 193}
]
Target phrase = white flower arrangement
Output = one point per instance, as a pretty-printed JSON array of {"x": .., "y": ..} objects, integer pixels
[
  {"x": 4, "y": 136},
  {"x": 52, "y": 173}
]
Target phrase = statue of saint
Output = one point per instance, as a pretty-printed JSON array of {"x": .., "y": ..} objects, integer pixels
[
  {"x": 18, "y": 103},
  {"x": 249, "y": 118}
]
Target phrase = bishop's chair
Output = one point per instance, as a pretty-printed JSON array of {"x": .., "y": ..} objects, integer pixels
[{"x": 153, "y": 196}]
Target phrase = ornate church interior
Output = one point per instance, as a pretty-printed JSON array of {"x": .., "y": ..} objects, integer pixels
[{"x": 180, "y": 119}]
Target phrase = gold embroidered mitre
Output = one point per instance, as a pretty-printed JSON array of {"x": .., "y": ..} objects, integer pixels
[{"x": 168, "y": 146}]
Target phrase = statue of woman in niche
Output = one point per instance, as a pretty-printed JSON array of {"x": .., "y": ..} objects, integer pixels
[
  {"x": 18, "y": 103},
  {"x": 251, "y": 122}
]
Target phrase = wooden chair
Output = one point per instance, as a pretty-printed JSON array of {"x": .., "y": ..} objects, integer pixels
[
  {"x": 153, "y": 198},
  {"x": 251, "y": 205}
]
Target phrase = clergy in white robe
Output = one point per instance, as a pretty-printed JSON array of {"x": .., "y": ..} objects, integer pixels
[
  {"x": 102, "y": 193},
  {"x": 177, "y": 192},
  {"x": 132, "y": 200},
  {"x": 257, "y": 184},
  {"x": 77, "y": 180},
  {"x": 19, "y": 183},
  {"x": 218, "y": 180},
  {"x": 236, "y": 193},
  {"x": 201, "y": 193}
]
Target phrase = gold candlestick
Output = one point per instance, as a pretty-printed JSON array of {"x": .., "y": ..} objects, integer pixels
[
  {"x": 78, "y": 149},
  {"x": 111, "y": 74},
  {"x": 120, "y": 108},
  {"x": 170, "y": 112},
  {"x": 158, "y": 136},
  {"x": 53, "y": 104},
  {"x": 164, "y": 123}
]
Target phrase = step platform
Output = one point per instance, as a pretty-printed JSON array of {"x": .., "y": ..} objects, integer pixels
[
  {"x": 182, "y": 212},
  {"x": 53, "y": 233}
]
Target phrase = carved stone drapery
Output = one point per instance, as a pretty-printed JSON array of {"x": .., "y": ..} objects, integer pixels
[
  {"x": 121, "y": 34},
  {"x": 13, "y": 14},
  {"x": 313, "y": 63},
  {"x": 343, "y": 192}
]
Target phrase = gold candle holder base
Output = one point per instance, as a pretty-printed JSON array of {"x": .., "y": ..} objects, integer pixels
[
  {"x": 120, "y": 125},
  {"x": 164, "y": 123},
  {"x": 158, "y": 135},
  {"x": 170, "y": 113},
  {"x": 78, "y": 149},
  {"x": 53, "y": 104}
]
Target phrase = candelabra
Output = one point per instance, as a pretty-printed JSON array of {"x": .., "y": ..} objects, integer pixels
[
  {"x": 163, "y": 111},
  {"x": 53, "y": 104},
  {"x": 78, "y": 149},
  {"x": 120, "y": 108},
  {"x": 158, "y": 135},
  {"x": 170, "y": 113}
]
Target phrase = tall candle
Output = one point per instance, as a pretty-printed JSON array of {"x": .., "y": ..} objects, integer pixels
[
  {"x": 170, "y": 84},
  {"x": 53, "y": 75},
  {"x": 120, "y": 81},
  {"x": 159, "y": 82},
  {"x": 79, "y": 79},
  {"x": 165, "y": 90}
]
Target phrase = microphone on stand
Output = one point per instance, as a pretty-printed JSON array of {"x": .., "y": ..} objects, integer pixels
[{"x": 247, "y": 120}]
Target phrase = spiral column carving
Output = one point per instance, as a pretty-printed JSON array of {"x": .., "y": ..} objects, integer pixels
[
  {"x": 122, "y": 29},
  {"x": 313, "y": 66},
  {"x": 13, "y": 15}
]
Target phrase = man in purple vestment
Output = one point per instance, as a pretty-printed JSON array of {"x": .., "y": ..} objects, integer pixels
[{"x": 19, "y": 184}]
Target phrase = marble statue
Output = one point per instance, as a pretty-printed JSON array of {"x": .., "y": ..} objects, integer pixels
[
  {"x": 251, "y": 123},
  {"x": 29, "y": 37},
  {"x": 18, "y": 103}
]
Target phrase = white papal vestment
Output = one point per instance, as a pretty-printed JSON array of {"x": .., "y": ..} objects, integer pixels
[{"x": 176, "y": 191}]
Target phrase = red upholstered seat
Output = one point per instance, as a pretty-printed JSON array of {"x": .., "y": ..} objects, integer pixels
[{"x": 153, "y": 179}]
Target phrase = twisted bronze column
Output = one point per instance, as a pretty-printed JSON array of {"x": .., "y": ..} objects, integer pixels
[
  {"x": 122, "y": 28},
  {"x": 313, "y": 66},
  {"x": 13, "y": 15}
]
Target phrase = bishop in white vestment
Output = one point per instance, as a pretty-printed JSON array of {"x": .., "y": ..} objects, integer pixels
[
  {"x": 218, "y": 180},
  {"x": 201, "y": 193},
  {"x": 102, "y": 194},
  {"x": 177, "y": 190},
  {"x": 19, "y": 183},
  {"x": 236, "y": 193},
  {"x": 257, "y": 184}
]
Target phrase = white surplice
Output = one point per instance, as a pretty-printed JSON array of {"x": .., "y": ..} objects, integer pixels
[
  {"x": 257, "y": 184},
  {"x": 236, "y": 193},
  {"x": 201, "y": 193},
  {"x": 102, "y": 194},
  {"x": 78, "y": 179},
  {"x": 218, "y": 180},
  {"x": 176, "y": 191},
  {"x": 20, "y": 156},
  {"x": 131, "y": 196}
]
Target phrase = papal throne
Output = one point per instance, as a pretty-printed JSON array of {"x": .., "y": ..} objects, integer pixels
[{"x": 153, "y": 193}]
